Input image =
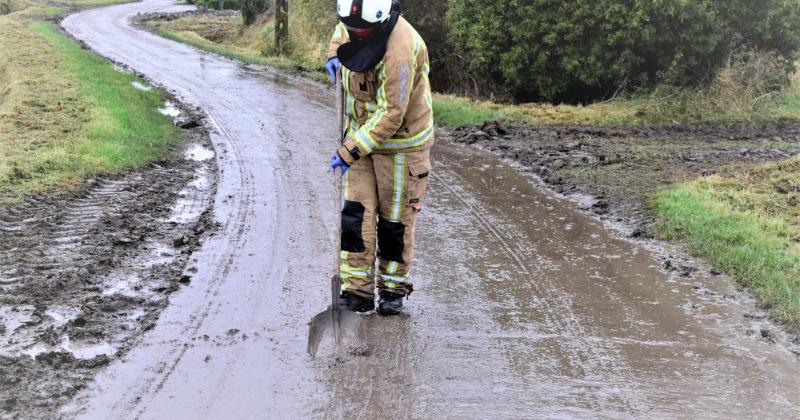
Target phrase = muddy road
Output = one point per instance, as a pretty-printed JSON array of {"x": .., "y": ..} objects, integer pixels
[{"x": 524, "y": 307}]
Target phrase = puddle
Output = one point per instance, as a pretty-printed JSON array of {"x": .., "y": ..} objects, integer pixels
[
  {"x": 136, "y": 314},
  {"x": 141, "y": 86},
  {"x": 123, "y": 286},
  {"x": 62, "y": 315},
  {"x": 12, "y": 319},
  {"x": 199, "y": 153},
  {"x": 87, "y": 350},
  {"x": 192, "y": 200},
  {"x": 131, "y": 285},
  {"x": 80, "y": 349},
  {"x": 170, "y": 109},
  {"x": 161, "y": 254}
]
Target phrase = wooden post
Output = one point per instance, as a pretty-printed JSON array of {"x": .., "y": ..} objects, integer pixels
[{"x": 281, "y": 25}]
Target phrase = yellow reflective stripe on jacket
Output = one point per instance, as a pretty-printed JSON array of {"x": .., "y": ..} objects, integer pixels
[
  {"x": 363, "y": 134},
  {"x": 416, "y": 141}
]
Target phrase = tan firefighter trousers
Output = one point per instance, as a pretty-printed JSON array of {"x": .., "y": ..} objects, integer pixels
[{"x": 383, "y": 195}]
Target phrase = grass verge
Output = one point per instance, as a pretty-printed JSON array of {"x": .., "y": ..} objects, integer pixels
[
  {"x": 749, "y": 226},
  {"x": 66, "y": 114}
]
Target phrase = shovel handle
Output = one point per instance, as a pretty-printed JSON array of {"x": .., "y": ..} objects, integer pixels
[{"x": 336, "y": 283}]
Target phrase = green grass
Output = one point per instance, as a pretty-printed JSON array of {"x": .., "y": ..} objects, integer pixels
[
  {"x": 748, "y": 226},
  {"x": 67, "y": 115}
]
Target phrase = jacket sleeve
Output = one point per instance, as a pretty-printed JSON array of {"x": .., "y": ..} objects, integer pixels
[
  {"x": 395, "y": 82},
  {"x": 339, "y": 37}
]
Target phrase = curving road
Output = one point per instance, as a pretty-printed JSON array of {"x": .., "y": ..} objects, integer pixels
[{"x": 524, "y": 308}]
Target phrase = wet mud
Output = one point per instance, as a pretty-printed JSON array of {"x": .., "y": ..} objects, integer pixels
[
  {"x": 524, "y": 307},
  {"x": 612, "y": 172},
  {"x": 83, "y": 274}
]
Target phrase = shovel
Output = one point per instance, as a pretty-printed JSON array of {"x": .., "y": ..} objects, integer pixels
[{"x": 331, "y": 319}]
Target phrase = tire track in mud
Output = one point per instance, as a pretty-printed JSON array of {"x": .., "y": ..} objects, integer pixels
[
  {"x": 235, "y": 230},
  {"x": 51, "y": 244},
  {"x": 597, "y": 359},
  {"x": 83, "y": 274}
]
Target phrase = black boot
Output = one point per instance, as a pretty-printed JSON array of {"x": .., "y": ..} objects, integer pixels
[
  {"x": 390, "y": 303},
  {"x": 356, "y": 303}
]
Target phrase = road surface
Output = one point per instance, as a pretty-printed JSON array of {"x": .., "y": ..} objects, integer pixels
[{"x": 524, "y": 307}]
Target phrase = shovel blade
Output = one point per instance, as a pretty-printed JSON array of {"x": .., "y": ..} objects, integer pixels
[
  {"x": 316, "y": 330},
  {"x": 330, "y": 318}
]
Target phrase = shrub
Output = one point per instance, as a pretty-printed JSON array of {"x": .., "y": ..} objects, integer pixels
[
  {"x": 573, "y": 50},
  {"x": 744, "y": 88},
  {"x": 746, "y": 82},
  {"x": 5, "y": 7},
  {"x": 311, "y": 24},
  {"x": 429, "y": 18},
  {"x": 251, "y": 9}
]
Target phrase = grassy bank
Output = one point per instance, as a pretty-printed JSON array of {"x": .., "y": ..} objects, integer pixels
[
  {"x": 749, "y": 226},
  {"x": 65, "y": 113}
]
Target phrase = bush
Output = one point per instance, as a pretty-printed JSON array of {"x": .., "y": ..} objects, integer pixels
[
  {"x": 744, "y": 88},
  {"x": 251, "y": 9},
  {"x": 429, "y": 18},
  {"x": 573, "y": 50},
  {"x": 5, "y": 7},
  {"x": 311, "y": 24},
  {"x": 747, "y": 82}
]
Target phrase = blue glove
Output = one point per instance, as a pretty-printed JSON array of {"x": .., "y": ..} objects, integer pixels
[
  {"x": 333, "y": 67},
  {"x": 337, "y": 162}
]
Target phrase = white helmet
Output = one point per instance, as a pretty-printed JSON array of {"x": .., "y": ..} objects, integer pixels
[{"x": 363, "y": 14}]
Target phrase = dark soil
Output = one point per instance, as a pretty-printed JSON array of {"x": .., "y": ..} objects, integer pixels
[
  {"x": 83, "y": 274},
  {"x": 613, "y": 172}
]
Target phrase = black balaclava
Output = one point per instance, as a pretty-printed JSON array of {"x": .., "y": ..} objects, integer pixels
[{"x": 362, "y": 54}]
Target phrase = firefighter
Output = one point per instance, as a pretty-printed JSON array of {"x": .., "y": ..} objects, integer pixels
[{"x": 385, "y": 159}]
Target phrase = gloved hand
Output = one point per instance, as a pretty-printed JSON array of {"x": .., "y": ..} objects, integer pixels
[
  {"x": 333, "y": 67},
  {"x": 337, "y": 162}
]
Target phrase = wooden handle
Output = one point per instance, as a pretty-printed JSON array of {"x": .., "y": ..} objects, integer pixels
[{"x": 338, "y": 181}]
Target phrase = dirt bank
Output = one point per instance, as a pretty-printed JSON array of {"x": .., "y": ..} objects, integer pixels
[
  {"x": 613, "y": 172},
  {"x": 83, "y": 274}
]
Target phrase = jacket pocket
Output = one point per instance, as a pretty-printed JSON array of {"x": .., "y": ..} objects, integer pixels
[
  {"x": 419, "y": 170},
  {"x": 363, "y": 86}
]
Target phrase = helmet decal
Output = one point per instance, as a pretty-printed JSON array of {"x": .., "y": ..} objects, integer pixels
[{"x": 364, "y": 13}]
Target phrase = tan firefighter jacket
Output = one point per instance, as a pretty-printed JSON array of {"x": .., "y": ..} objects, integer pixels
[{"x": 389, "y": 107}]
